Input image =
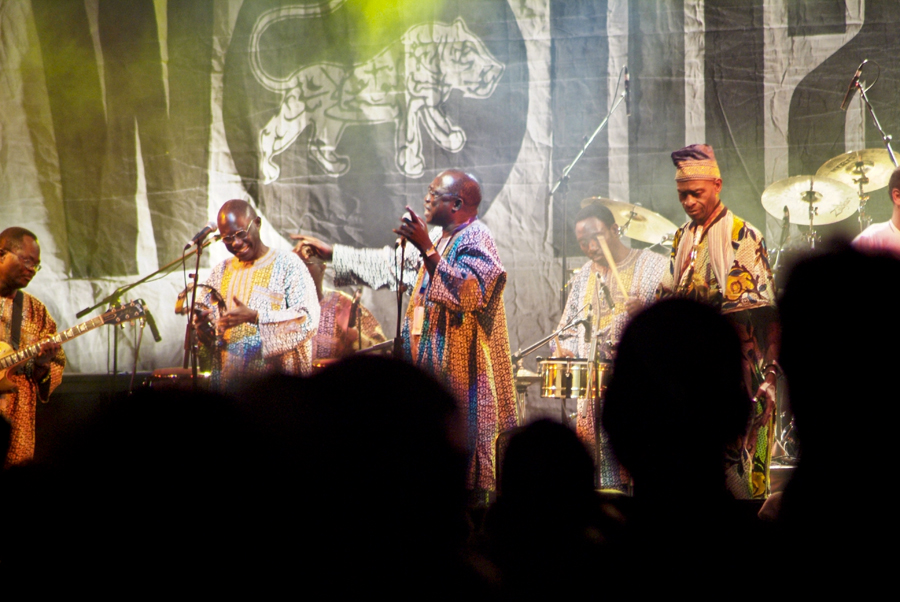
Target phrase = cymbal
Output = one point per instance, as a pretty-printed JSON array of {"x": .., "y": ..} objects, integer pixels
[
  {"x": 873, "y": 163},
  {"x": 635, "y": 221},
  {"x": 833, "y": 200}
]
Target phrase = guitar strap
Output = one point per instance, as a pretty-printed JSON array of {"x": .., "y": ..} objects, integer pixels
[{"x": 15, "y": 326}]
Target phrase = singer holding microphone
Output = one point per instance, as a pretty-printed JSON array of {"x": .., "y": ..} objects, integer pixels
[
  {"x": 640, "y": 272},
  {"x": 271, "y": 311},
  {"x": 455, "y": 323}
]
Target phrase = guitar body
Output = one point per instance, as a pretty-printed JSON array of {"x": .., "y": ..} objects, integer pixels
[{"x": 6, "y": 385}]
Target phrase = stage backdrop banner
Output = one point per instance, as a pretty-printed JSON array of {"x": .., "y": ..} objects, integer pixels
[{"x": 125, "y": 125}]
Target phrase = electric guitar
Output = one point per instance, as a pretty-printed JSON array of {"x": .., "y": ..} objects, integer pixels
[{"x": 10, "y": 358}]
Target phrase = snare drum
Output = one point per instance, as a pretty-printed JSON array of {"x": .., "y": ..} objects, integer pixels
[
  {"x": 566, "y": 378},
  {"x": 555, "y": 377}
]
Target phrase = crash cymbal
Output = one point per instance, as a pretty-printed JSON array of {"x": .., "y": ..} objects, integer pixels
[
  {"x": 635, "y": 221},
  {"x": 832, "y": 200},
  {"x": 872, "y": 163}
]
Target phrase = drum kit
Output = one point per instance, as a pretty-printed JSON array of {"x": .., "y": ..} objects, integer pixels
[
  {"x": 840, "y": 188},
  {"x": 565, "y": 378}
]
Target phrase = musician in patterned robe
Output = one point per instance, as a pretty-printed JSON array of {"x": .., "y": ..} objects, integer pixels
[
  {"x": 640, "y": 272},
  {"x": 455, "y": 324},
  {"x": 717, "y": 247},
  {"x": 271, "y": 312},
  {"x": 20, "y": 260}
]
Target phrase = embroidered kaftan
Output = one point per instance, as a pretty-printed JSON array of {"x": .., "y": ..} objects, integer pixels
[
  {"x": 279, "y": 287},
  {"x": 748, "y": 299},
  {"x": 19, "y": 406},
  {"x": 464, "y": 340},
  {"x": 640, "y": 271}
]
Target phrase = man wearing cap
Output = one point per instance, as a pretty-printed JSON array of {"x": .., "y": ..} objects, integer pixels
[
  {"x": 720, "y": 259},
  {"x": 594, "y": 294}
]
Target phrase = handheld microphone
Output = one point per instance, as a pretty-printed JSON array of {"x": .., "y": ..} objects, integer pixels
[
  {"x": 401, "y": 240},
  {"x": 202, "y": 234},
  {"x": 852, "y": 87}
]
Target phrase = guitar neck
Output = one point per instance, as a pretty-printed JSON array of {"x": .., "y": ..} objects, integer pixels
[{"x": 26, "y": 353}]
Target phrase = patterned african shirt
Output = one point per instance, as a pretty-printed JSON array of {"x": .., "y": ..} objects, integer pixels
[
  {"x": 464, "y": 340},
  {"x": 748, "y": 300},
  {"x": 327, "y": 341},
  {"x": 640, "y": 272},
  {"x": 19, "y": 406},
  {"x": 279, "y": 287}
]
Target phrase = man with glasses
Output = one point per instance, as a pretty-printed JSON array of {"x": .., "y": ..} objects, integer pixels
[
  {"x": 24, "y": 321},
  {"x": 455, "y": 324},
  {"x": 271, "y": 308}
]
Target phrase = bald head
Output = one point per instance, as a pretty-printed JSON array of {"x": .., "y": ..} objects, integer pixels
[
  {"x": 453, "y": 198},
  {"x": 463, "y": 184},
  {"x": 239, "y": 227},
  {"x": 234, "y": 209}
]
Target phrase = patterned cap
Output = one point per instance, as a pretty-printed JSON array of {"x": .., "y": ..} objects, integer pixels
[{"x": 696, "y": 162}]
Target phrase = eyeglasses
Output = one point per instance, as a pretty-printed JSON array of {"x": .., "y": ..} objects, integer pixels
[
  {"x": 27, "y": 262},
  {"x": 240, "y": 234},
  {"x": 440, "y": 195}
]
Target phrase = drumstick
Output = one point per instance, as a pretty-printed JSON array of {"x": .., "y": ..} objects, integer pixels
[
  {"x": 558, "y": 345},
  {"x": 612, "y": 266}
]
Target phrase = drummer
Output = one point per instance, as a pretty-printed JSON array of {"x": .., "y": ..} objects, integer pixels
[
  {"x": 611, "y": 297},
  {"x": 884, "y": 237}
]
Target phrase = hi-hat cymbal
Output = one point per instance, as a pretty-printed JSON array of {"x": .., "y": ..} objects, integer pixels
[
  {"x": 832, "y": 200},
  {"x": 872, "y": 163},
  {"x": 635, "y": 221}
]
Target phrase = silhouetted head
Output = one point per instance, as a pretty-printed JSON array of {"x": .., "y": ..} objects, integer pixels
[{"x": 676, "y": 397}]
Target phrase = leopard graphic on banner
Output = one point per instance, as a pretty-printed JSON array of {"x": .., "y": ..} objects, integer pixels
[{"x": 406, "y": 88}]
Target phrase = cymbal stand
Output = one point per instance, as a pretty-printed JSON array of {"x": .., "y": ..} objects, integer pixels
[
  {"x": 811, "y": 197},
  {"x": 865, "y": 220}
]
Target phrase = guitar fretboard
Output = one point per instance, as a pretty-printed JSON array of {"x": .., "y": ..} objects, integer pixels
[{"x": 128, "y": 313}]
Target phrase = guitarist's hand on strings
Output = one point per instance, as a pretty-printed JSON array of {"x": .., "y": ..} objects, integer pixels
[{"x": 49, "y": 349}]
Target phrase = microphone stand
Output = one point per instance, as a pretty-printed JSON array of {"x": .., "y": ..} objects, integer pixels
[
  {"x": 115, "y": 296},
  {"x": 520, "y": 354},
  {"x": 564, "y": 179},
  {"x": 886, "y": 138},
  {"x": 398, "y": 339},
  {"x": 864, "y": 219}
]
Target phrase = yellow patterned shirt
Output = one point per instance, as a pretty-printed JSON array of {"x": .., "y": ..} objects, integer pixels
[{"x": 278, "y": 286}]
